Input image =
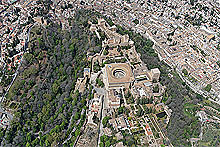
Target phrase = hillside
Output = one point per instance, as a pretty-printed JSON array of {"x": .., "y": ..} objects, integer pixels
[{"x": 43, "y": 97}]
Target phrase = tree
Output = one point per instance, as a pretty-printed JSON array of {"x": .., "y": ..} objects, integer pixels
[
  {"x": 185, "y": 72},
  {"x": 192, "y": 2},
  {"x": 76, "y": 116},
  {"x": 28, "y": 137},
  {"x": 105, "y": 121},
  {"x": 106, "y": 138},
  {"x": 77, "y": 132},
  {"x": 138, "y": 101},
  {"x": 105, "y": 52},
  {"x": 140, "y": 112},
  {"x": 55, "y": 88},
  {"x": 107, "y": 143},
  {"x": 147, "y": 110},
  {"x": 156, "y": 89},
  {"x": 208, "y": 87},
  {"x": 35, "y": 142},
  {"x": 120, "y": 110},
  {"x": 74, "y": 101},
  {"x": 99, "y": 82},
  {"x": 101, "y": 144},
  {"x": 28, "y": 144},
  {"x": 218, "y": 63},
  {"x": 47, "y": 142},
  {"x": 102, "y": 138},
  {"x": 151, "y": 100},
  {"x": 136, "y": 21}
]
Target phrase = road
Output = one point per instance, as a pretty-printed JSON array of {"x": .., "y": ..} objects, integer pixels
[
  {"x": 100, "y": 130},
  {"x": 102, "y": 92},
  {"x": 82, "y": 130},
  {"x": 74, "y": 129}
]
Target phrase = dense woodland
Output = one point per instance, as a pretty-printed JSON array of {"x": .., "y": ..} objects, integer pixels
[{"x": 46, "y": 106}]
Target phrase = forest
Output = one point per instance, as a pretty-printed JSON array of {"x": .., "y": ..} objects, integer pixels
[{"x": 46, "y": 106}]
